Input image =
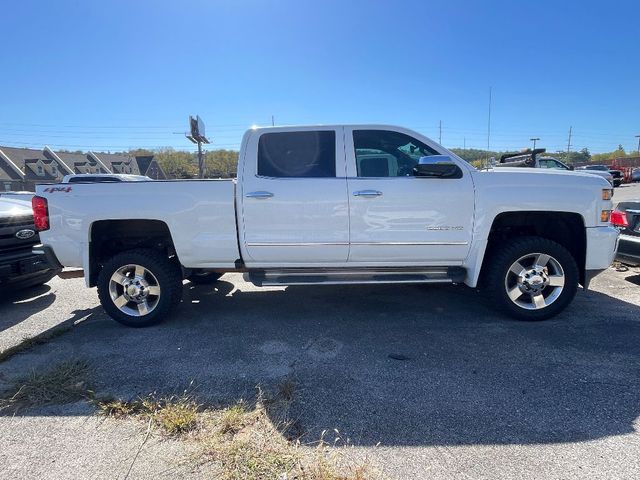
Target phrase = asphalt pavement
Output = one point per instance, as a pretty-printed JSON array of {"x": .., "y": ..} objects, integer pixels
[{"x": 425, "y": 382}]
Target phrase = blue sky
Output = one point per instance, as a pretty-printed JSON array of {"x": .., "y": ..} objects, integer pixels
[{"x": 118, "y": 74}]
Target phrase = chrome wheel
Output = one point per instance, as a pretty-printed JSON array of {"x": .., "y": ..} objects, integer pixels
[
  {"x": 534, "y": 281},
  {"x": 134, "y": 290}
]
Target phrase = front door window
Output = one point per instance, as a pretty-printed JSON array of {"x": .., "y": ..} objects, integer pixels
[{"x": 383, "y": 153}]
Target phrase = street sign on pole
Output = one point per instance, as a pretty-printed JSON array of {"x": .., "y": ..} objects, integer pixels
[{"x": 197, "y": 135}]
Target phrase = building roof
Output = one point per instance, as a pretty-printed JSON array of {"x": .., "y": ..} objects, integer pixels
[
  {"x": 80, "y": 162},
  {"x": 8, "y": 168},
  {"x": 116, "y": 162},
  {"x": 20, "y": 155},
  {"x": 16, "y": 163},
  {"x": 143, "y": 162}
]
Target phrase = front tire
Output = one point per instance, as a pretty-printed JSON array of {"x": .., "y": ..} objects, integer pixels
[
  {"x": 139, "y": 288},
  {"x": 532, "y": 278}
]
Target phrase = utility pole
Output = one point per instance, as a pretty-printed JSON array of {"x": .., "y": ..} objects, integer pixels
[
  {"x": 534, "y": 140},
  {"x": 464, "y": 144},
  {"x": 638, "y": 137},
  {"x": 273, "y": 121},
  {"x": 440, "y": 132},
  {"x": 196, "y": 135},
  {"x": 489, "y": 129},
  {"x": 569, "y": 142}
]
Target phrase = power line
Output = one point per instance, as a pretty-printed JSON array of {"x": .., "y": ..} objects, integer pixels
[{"x": 36, "y": 146}]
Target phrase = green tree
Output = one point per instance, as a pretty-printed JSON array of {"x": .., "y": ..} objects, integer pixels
[
  {"x": 474, "y": 155},
  {"x": 177, "y": 163},
  {"x": 221, "y": 163},
  {"x": 136, "y": 152},
  {"x": 572, "y": 158}
]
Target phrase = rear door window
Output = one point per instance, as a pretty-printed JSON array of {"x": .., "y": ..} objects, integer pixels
[{"x": 297, "y": 154}]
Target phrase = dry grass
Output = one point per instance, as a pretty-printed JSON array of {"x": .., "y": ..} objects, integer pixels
[
  {"x": 242, "y": 441},
  {"x": 174, "y": 415},
  {"x": 249, "y": 444},
  {"x": 64, "y": 383},
  {"x": 234, "y": 418}
]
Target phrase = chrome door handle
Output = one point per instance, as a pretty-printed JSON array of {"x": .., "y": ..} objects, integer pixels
[
  {"x": 367, "y": 193},
  {"x": 260, "y": 194}
]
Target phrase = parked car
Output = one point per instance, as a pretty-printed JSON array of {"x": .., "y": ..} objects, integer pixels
[
  {"x": 635, "y": 175},
  {"x": 626, "y": 217},
  {"x": 104, "y": 178},
  {"x": 336, "y": 205},
  {"x": 615, "y": 174},
  {"x": 531, "y": 159},
  {"x": 19, "y": 266}
]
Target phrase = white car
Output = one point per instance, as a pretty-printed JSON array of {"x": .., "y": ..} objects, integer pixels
[
  {"x": 601, "y": 170},
  {"x": 104, "y": 178},
  {"x": 338, "y": 204}
]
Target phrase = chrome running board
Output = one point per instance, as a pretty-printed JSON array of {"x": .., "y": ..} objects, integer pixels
[{"x": 343, "y": 276}]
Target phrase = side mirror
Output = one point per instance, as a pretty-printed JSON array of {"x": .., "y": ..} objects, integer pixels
[
  {"x": 571, "y": 167},
  {"x": 437, "y": 166}
]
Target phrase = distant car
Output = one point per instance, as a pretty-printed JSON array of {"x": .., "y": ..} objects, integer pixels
[
  {"x": 21, "y": 195},
  {"x": 104, "y": 178},
  {"x": 615, "y": 174},
  {"x": 626, "y": 217},
  {"x": 19, "y": 266},
  {"x": 635, "y": 175},
  {"x": 530, "y": 159}
]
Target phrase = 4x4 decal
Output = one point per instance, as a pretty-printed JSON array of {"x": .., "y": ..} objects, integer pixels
[{"x": 57, "y": 189}]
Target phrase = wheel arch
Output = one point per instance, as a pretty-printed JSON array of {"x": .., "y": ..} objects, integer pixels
[
  {"x": 110, "y": 237},
  {"x": 566, "y": 228}
]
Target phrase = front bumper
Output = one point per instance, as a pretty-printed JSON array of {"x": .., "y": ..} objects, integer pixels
[
  {"x": 46, "y": 252},
  {"x": 23, "y": 265},
  {"x": 602, "y": 243},
  {"x": 628, "y": 250}
]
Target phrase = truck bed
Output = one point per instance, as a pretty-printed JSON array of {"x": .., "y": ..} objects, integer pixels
[{"x": 200, "y": 215}]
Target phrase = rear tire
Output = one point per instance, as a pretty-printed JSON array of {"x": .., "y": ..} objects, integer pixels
[
  {"x": 139, "y": 288},
  {"x": 532, "y": 278}
]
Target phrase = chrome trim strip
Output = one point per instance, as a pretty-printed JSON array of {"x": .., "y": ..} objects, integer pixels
[
  {"x": 408, "y": 243},
  {"x": 311, "y": 244},
  {"x": 358, "y": 282},
  {"x": 297, "y": 244}
]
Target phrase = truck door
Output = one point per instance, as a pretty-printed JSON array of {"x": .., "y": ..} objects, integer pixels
[
  {"x": 293, "y": 193},
  {"x": 398, "y": 218}
]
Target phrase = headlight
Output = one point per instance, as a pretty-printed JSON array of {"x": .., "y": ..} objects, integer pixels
[{"x": 607, "y": 193}]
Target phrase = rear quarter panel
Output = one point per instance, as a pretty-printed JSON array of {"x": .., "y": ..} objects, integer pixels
[{"x": 200, "y": 216}]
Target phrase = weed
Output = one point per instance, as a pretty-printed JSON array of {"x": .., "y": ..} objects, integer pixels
[
  {"x": 233, "y": 418},
  {"x": 174, "y": 415},
  {"x": 64, "y": 383}
]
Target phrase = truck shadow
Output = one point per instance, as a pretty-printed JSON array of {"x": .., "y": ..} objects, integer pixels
[
  {"x": 23, "y": 303},
  {"x": 395, "y": 365}
]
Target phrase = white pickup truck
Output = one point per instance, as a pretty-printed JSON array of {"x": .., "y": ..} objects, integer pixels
[{"x": 340, "y": 204}]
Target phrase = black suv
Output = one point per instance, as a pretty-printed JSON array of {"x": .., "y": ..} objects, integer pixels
[{"x": 19, "y": 267}]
